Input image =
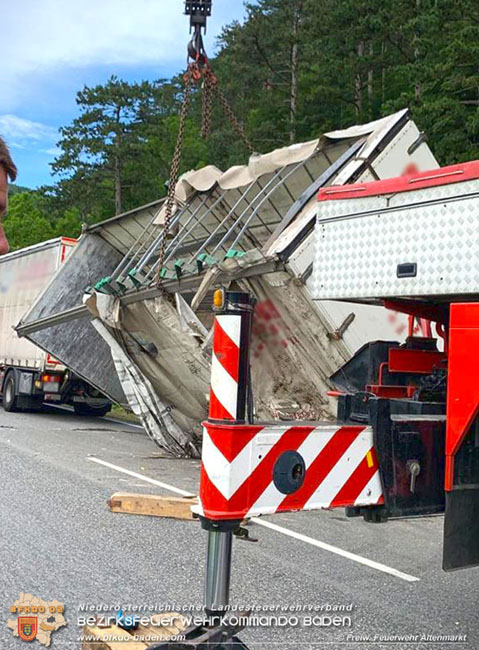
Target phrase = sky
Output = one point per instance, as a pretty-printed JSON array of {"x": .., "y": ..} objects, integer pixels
[{"x": 52, "y": 48}]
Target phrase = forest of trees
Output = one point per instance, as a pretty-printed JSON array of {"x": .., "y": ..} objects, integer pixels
[{"x": 294, "y": 69}]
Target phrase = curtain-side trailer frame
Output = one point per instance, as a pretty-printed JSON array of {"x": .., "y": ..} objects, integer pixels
[{"x": 30, "y": 376}]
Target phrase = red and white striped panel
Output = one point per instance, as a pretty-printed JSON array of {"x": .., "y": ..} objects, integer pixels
[
  {"x": 225, "y": 367},
  {"x": 238, "y": 463}
]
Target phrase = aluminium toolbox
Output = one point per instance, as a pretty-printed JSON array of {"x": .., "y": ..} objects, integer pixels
[{"x": 412, "y": 236}]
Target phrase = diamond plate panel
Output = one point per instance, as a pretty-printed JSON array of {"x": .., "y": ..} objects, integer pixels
[{"x": 360, "y": 242}]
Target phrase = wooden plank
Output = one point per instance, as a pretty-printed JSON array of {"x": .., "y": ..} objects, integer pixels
[
  {"x": 149, "y": 634},
  {"x": 89, "y": 633},
  {"x": 164, "y": 628},
  {"x": 153, "y": 505},
  {"x": 90, "y": 646},
  {"x": 154, "y": 634},
  {"x": 103, "y": 634},
  {"x": 209, "y": 278},
  {"x": 171, "y": 629},
  {"x": 98, "y": 645}
]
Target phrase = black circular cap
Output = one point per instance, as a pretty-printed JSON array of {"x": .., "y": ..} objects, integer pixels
[{"x": 289, "y": 472}]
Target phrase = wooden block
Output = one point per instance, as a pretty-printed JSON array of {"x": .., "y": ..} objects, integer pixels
[
  {"x": 104, "y": 634},
  {"x": 208, "y": 280},
  {"x": 153, "y": 505},
  {"x": 99, "y": 638},
  {"x": 163, "y": 630},
  {"x": 96, "y": 645},
  {"x": 155, "y": 634},
  {"x": 90, "y": 646},
  {"x": 169, "y": 630},
  {"x": 144, "y": 632}
]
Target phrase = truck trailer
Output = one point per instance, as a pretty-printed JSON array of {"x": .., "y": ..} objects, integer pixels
[
  {"x": 250, "y": 226},
  {"x": 30, "y": 376}
]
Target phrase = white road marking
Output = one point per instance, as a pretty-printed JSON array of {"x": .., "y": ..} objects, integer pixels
[
  {"x": 338, "y": 551},
  {"x": 279, "y": 529},
  {"x": 69, "y": 409},
  {"x": 125, "y": 422},
  {"x": 142, "y": 477}
]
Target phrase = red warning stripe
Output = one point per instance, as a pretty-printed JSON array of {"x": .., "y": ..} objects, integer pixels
[
  {"x": 256, "y": 483},
  {"x": 231, "y": 446},
  {"x": 356, "y": 483},
  {"x": 321, "y": 466},
  {"x": 217, "y": 411},
  {"x": 226, "y": 351}
]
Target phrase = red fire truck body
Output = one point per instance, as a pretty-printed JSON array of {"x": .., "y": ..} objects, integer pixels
[{"x": 406, "y": 439}]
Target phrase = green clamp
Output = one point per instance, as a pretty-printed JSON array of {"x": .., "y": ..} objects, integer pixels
[
  {"x": 203, "y": 259},
  {"x": 136, "y": 283},
  {"x": 121, "y": 287},
  {"x": 232, "y": 253},
  {"x": 178, "y": 269},
  {"x": 103, "y": 286},
  {"x": 199, "y": 262}
]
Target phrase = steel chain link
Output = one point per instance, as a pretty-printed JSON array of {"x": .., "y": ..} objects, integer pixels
[
  {"x": 210, "y": 84},
  {"x": 175, "y": 168},
  {"x": 237, "y": 127},
  {"x": 207, "y": 101}
]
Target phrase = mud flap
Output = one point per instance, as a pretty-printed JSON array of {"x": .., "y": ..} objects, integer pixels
[{"x": 461, "y": 528}]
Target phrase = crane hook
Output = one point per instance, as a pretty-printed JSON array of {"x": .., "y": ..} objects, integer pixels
[{"x": 198, "y": 11}]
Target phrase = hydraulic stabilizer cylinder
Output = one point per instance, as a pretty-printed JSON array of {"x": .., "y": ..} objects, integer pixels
[
  {"x": 230, "y": 405},
  {"x": 218, "y": 570}
]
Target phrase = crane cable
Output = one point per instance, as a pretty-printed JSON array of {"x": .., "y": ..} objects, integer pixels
[{"x": 197, "y": 70}]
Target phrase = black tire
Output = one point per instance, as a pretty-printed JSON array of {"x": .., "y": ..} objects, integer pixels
[
  {"x": 9, "y": 397},
  {"x": 81, "y": 408}
]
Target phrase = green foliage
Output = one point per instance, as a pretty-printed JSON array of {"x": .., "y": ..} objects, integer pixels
[
  {"x": 17, "y": 189},
  {"x": 109, "y": 159},
  {"x": 25, "y": 223},
  {"x": 69, "y": 224},
  {"x": 294, "y": 69},
  {"x": 32, "y": 217}
]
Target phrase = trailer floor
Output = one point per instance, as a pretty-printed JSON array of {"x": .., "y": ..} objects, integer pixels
[{"x": 59, "y": 541}]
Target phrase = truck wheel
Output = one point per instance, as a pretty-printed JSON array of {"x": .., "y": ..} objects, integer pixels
[
  {"x": 84, "y": 409},
  {"x": 9, "y": 397}
]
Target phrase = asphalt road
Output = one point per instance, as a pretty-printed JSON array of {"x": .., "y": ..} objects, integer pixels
[{"x": 59, "y": 541}]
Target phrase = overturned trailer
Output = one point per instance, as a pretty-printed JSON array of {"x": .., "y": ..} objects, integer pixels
[{"x": 250, "y": 228}]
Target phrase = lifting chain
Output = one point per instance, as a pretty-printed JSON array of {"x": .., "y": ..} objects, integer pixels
[
  {"x": 228, "y": 111},
  {"x": 206, "y": 104},
  {"x": 210, "y": 84},
  {"x": 175, "y": 169},
  {"x": 196, "y": 71}
]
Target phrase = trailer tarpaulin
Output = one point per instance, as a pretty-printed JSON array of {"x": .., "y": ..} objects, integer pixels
[{"x": 158, "y": 358}]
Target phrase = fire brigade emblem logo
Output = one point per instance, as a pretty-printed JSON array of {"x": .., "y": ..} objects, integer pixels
[
  {"x": 35, "y": 619},
  {"x": 27, "y": 627}
]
